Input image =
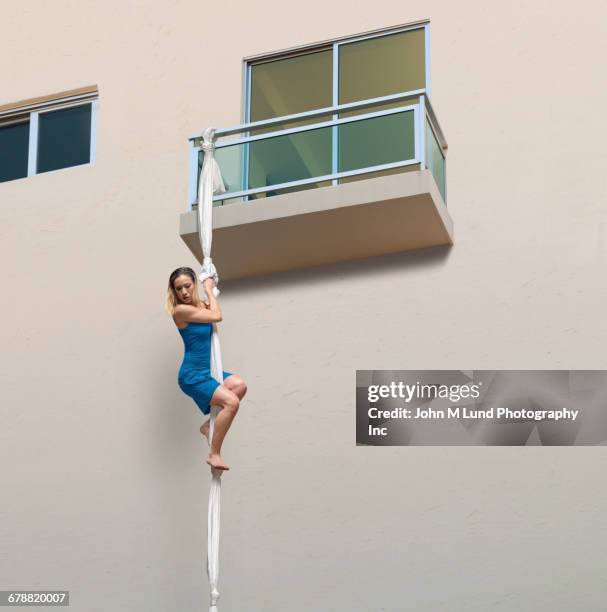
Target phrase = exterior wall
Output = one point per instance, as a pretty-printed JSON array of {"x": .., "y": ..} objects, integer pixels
[{"x": 104, "y": 482}]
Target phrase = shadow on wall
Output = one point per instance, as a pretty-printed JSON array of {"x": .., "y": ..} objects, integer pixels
[{"x": 327, "y": 273}]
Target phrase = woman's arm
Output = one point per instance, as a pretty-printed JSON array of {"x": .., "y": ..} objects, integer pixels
[
  {"x": 185, "y": 313},
  {"x": 213, "y": 305}
]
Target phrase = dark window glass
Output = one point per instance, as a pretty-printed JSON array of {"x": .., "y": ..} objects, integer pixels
[
  {"x": 14, "y": 145},
  {"x": 64, "y": 138}
]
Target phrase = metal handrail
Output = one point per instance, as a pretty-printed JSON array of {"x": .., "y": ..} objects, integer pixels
[
  {"x": 436, "y": 124},
  {"x": 316, "y": 126},
  {"x": 245, "y": 127}
]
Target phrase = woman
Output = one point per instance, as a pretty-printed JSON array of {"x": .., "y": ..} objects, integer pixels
[{"x": 194, "y": 320}]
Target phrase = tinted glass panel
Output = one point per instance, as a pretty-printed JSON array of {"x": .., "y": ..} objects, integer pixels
[
  {"x": 14, "y": 144},
  {"x": 290, "y": 158},
  {"x": 281, "y": 154},
  {"x": 376, "y": 141},
  {"x": 291, "y": 85},
  {"x": 64, "y": 138},
  {"x": 230, "y": 160},
  {"x": 382, "y": 65},
  {"x": 275, "y": 160},
  {"x": 435, "y": 160}
]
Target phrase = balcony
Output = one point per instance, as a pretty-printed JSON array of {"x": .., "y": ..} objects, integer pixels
[{"x": 314, "y": 191}]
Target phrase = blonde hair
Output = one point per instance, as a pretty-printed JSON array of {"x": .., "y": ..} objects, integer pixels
[{"x": 172, "y": 300}]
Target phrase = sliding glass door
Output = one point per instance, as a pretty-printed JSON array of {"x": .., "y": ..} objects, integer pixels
[{"x": 342, "y": 72}]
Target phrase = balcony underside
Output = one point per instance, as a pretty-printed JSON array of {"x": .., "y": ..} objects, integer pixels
[{"x": 387, "y": 214}]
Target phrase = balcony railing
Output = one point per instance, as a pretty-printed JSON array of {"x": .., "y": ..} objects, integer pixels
[{"x": 326, "y": 146}]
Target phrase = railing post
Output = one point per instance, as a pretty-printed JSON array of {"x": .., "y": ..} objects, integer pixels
[
  {"x": 193, "y": 175},
  {"x": 245, "y": 148},
  {"x": 335, "y": 101},
  {"x": 421, "y": 136},
  {"x": 245, "y": 168}
]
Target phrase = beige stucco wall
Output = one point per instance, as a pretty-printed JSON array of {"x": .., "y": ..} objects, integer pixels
[{"x": 103, "y": 477}]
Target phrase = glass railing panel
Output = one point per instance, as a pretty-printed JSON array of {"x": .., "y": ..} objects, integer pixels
[
  {"x": 230, "y": 160},
  {"x": 291, "y": 157},
  {"x": 376, "y": 141},
  {"x": 435, "y": 161},
  {"x": 275, "y": 160}
]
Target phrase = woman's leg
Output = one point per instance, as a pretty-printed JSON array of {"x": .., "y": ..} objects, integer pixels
[
  {"x": 229, "y": 403},
  {"x": 233, "y": 383},
  {"x": 236, "y": 384}
]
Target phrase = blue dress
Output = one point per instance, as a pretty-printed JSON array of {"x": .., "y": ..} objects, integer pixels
[{"x": 195, "y": 372}]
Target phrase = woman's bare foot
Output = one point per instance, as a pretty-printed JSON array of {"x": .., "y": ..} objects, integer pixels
[
  {"x": 216, "y": 462},
  {"x": 205, "y": 428}
]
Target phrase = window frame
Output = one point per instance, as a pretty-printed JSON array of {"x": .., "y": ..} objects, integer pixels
[{"x": 34, "y": 109}]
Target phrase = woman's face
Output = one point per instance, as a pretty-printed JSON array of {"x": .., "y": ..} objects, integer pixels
[{"x": 184, "y": 288}]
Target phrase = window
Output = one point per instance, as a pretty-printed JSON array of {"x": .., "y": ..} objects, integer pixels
[
  {"x": 342, "y": 72},
  {"x": 47, "y": 134},
  {"x": 349, "y": 71}
]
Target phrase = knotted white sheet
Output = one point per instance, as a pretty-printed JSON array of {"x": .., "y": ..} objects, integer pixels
[{"x": 211, "y": 182}]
